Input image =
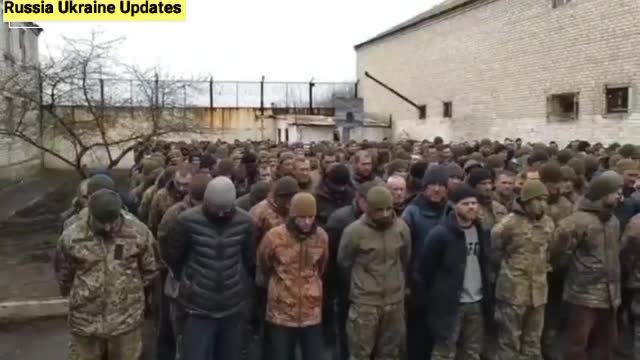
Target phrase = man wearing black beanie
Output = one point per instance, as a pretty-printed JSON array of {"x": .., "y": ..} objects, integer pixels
[
  {"x": 334, "y": 191},
  {"x": 422, "y": 215}
]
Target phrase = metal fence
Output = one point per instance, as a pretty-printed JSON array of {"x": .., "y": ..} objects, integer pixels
[{"x": 205, "y": 93}]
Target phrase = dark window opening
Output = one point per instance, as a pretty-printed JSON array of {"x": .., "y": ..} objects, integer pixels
[
  {"x": 286, "y": 135},
  {"x": 336, "y": 133},
  {"x": 617, "y": 100},
  {"x": 563, "y": 106},
  {"x": 558, "y": 3},
  {"x": 447, "y": 109},
  {"x": 350, "y": 117},
  {"x": 279, "y": 135}
]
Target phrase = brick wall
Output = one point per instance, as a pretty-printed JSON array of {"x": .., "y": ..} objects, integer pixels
[{"x": 498, "y": 61}]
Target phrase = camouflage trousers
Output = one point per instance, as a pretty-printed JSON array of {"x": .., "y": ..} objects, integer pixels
[
  {"x": 519, "y": 331},
  {"x": 467, "y": 335},
  {"x": 127, "y": 346},
  {"x": 376, "y": 331}
]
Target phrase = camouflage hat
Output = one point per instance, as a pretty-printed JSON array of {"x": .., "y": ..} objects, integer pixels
[
  {"x": 105, "y": 205},
  {"x": 533, "y": 189},
  {"x": 604, "y": 184},
  {"x": 302, "y": 205}
]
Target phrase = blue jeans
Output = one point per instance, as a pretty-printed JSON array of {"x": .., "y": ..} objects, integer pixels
[{"x": 212, "y": 339}]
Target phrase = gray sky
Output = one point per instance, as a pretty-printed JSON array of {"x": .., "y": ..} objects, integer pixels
[{"x": 286, "y": 40}]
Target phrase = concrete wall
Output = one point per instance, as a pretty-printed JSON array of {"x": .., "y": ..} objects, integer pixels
[
  {"x": 227, "y": 124},
  {"x": 498, "y": 61},
  {"x": 17, "y": 159}
]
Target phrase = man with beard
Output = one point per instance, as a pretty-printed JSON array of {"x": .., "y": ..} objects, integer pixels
[
  {"x": 374, "y": 251},
  {"x": 504, "y": 193},
  {"x": 336, "y": 286},
  {"x": 327, "y": 158},
  {"x": 451, "y": 276},
  {"x": 175, "y": 191},
  {"x": 363, "y": 167},
  {"x": 285, "y": 165},
  {"x": 335, "y": 191},
  {"x": 558, "y": 208},
  {"x": 259, "y": 191},
  {"x": 592, "y": 286},
  {"x": 103, "y": 265},
  {"x": 569, "y": 189},
  {"x": 490, "y": 212},
  {"x": 214, "y": 290},
  {"x": 398, "y": 188},
  {"x": 170, "y": 312},
  {"x": 273, "y": 210},
  {"x": 456, "y": 176},
  {"x": 302, "y": 173},
  {"x": 520, "y": 244},
  {"x": 292, "y": 259},
  {"x": 422, "y": 215}
]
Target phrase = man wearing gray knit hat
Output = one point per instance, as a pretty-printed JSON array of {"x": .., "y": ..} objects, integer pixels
[
  {"x": 591, "y": 236},
  {"x": 211, "y": 249}
]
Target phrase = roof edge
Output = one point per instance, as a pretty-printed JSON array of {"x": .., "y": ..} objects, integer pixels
[{"x": 385, "y": 35}]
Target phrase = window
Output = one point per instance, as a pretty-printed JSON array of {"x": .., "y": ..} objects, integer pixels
[
  {"x": 563, "y": 106},
  {"x": 617, "y": 100},
  {"x": 23, "y": 45},
  {"x": 447, "y": 109},
  {"x": 558, "y": 3}
]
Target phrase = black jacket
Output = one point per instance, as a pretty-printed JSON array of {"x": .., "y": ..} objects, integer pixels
[
  {"x": 329, "y": 200},
  {"x": 214, "y": 262},
  {"x": 439, "y": 274},
  {"x": 338, "y": 221}
]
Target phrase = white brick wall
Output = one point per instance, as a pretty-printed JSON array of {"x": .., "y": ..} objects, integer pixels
[{"x": 498, "y": 62}]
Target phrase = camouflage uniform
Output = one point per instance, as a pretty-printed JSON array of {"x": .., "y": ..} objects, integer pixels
[
  {"x": 491, "y": 215},
  {"x": 145, "y": 203},
  {"x": 105, "y": 280},
  {"x": 265, "y": 216},
  {"x": 631, "y": 261},
  {"x": 377, "y": 261},
  {"x": 506, "y": 201},
  {"x": 555, "y": 311},
  {"x": 469, "y": 330},
  {"x": 522, "y": 246},
  {"x": 161, "y": 202}
]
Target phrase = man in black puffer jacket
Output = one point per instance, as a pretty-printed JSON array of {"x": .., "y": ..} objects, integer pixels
[{"x": 212, "y": 251}]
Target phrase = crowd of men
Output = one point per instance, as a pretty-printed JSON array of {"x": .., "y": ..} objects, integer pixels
[{"x": 410, "y": 250}]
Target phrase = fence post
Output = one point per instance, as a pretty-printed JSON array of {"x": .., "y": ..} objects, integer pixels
[
  {"x": 184, "y": 100},
  {"x": 286, "y": 90},
  {"x": 237, "y": 94},
  {"x": 262, "y": 96},
  {"x": 311, "y": 85},
  {"x": 211, "y": 103}
]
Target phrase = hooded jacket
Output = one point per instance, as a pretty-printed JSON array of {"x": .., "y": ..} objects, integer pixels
[
  {"x": 293, "y": 267},
  {"x": 377, "y": 261},
  {"x": 591, "y": 239},
  {"x": 521, "y": 246},
  {"x": 329, "y": 200},
  {"x": 439, "y": 274}
]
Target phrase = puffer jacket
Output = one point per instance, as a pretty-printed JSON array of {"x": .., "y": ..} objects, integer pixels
[
  {"x": 521, "y": 245},
  {"x": 377, "y": 260},
  {"x": 590, "y": 238},
  {"x": 293, "y": 266},
  {"x": 213, "y": 261}
]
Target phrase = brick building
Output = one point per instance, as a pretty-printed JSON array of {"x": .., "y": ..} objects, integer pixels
[{"x": 536, "y": 69}]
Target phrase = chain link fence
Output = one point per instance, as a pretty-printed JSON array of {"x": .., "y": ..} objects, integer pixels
[{"x": 193, "y": 94}]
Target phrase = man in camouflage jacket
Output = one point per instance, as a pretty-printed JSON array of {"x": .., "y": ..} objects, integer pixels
[
  {"x": 102, "y": 263},
  {"x": 174, "y": 192},
  {"x": 520, "y": 242},
  {"x": 591, "y": 237}
]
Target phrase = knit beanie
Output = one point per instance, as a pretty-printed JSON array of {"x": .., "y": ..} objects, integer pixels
[
  {"x": 339, "y": 175},
  {"x": 627, "y": 151},
  {"x": 198, "y": 186},
  {"x": 462, "y": 192},
  {"x": 494, "y": 161},
  {"x": 379, "y": 197},
  {"x": 564, "y": 156},
  {"x": 626, "y": 165},
  {"x": 591, "y": 164},
  {"x": 99, "y": 182},
  {"x": 260, "y": 190},
  {"x": 436, "y": 175},
  {"x": 537, "y": 156},
  {"x": 149, "y": 166},
  {"x": 604, "y": 184},
  {"x": 613, "y": 160},
  {"x": 533, "y": 189},
  {"x": 577, "y": 164},
  {"x": 105, "y": 205},
  {"x": 363, "y": 189},
  {"x": 454, "y": 170},
  {"x": 550, "y": 173},
  {"x": 418, "y": 169},
  {"x": 284, "y": 156},
  {"x": 220, "y": 194},
  {"x": 568, "y": 174},
  {"x": 471, "y": 164},
  {"x": 476, "y": 176},
  {"x": 225, "y": 167},
  {"x": 285, "y": 186},
  {"x": 303, "y": 205},
  {"x": 397, "y": 165},
  {"x": 249, "y": 158}
]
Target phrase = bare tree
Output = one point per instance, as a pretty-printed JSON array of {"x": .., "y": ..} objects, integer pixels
[{"x": 66, "y": 110}]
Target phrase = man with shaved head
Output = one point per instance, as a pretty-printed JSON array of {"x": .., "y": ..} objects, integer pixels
[{"x": 397, "y": 185}]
